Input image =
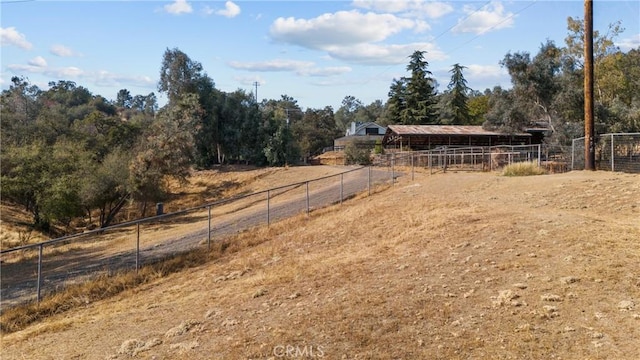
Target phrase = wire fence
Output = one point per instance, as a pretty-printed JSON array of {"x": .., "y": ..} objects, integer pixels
[
  {"x": 27, "y": 273},
  {"x": 615, "y": 152},
  {"x": 471, "y": 158}
]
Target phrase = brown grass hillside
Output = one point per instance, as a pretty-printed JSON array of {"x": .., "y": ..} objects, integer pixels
[
  {"x": 201, "y": 187},
  {"x": 449, "y": 266}
]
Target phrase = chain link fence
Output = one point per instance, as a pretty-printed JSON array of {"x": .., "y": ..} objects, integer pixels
[
  {"x": 27, "y": 273},
  {"x": 615, "y": 152},
  {"x": 469, "y": 158}
]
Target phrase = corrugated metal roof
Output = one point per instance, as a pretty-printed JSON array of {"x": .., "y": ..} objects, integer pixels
[{"x": 444, "y": 130}]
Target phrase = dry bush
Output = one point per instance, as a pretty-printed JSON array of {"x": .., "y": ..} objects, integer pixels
[{"x": 523, "y": 169}]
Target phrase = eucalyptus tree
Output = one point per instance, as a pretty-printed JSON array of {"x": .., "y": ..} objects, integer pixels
[
  {"x": 178, "y": 75},
  {"x": 278, "y": 118},
  {"x": 373, "y": 112},
  {"x": 165, "y": 151},
  {"x": 478, "y": 105},
  {"x": 507, "y": 113},
  {"x": 347, "y": 113},
  {"x": 19, "y": 108},
  {"x": 315, "y": 131},
  {"x": 124, "y": 99},
  {"x": 535, "y": 85}
]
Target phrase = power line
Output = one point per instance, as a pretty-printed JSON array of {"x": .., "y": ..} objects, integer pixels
[
  {"x": 472, "y": 39},
  {"x": 494, "y": 26},
  {"x": 462, "y": 21},
  {"x": 15, "y": 1},
  {"x": 443, "y": 33}
]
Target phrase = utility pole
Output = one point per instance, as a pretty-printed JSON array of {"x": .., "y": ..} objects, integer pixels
[
  {"x": 589, "y": 133},
  {"x": 256, "y": 84}
]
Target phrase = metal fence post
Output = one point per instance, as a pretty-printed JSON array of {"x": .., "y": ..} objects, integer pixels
[
  {"x": 393, "y": 169},
  {"x": 341, "y": 186},
  {"x": 412, "y": 171},
  {"x": 137, "y": 246},
  {"x": 308, "y": 210},
  {"x": 268, "y": 208},
  {"x": 613, "y": 166},
  {"x": 573, "y": 158},
  {"x": 369, "y": 180},
  {"x": 540, "y": 153},
  {"x": 209, "y": 229},
  {"x": 38, "y": 286}
]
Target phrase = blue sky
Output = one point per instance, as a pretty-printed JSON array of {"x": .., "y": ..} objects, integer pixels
[{"x": 317, "y": 52}]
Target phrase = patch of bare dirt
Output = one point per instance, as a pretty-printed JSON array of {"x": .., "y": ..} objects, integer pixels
[{"x": 447, "y": 266}]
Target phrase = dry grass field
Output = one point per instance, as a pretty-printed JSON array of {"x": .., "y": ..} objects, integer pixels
[
  {"x": 449, "y": 266},
  {"x": 201, "y": 188}
]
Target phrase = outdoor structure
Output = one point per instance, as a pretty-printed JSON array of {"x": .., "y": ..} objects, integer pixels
[
  {"x": 366, "y": 134},
  {"x": 425, "y": 137}
]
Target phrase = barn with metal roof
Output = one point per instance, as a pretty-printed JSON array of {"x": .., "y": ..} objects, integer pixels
[{"x": 425, "y": 137}]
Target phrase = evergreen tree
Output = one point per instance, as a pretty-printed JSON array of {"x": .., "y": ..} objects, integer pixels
[
  {"x": 420, "y": 93},
  {"x": 458, "y": 102},
  {"x": 412, "y": 100},
  {"x": 397, "y": 102}
]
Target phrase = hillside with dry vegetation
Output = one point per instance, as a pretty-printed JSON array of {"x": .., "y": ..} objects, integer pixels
[{"x": 448, "y": 266}]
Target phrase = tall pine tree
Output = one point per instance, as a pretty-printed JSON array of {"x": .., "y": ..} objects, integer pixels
[
  {"x": 412, "y": 100},
  {"x": 458, "y": 89}
]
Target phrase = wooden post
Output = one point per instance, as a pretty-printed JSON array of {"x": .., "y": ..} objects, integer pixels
[{"x": 589, "y": 133}]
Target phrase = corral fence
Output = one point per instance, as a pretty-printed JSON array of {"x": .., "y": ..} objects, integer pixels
[
  {"x": 31, "y": 271},
  {"x": 615, "y": 152},
  {"x": 488, "y": 158}
]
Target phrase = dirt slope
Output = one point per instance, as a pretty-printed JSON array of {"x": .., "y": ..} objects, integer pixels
[{"x": 447, "y": 266}]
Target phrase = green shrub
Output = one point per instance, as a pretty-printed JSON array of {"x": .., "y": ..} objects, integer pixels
[
  {"x": 378, "y": 149},
  {"x": 357, "y": 153}
]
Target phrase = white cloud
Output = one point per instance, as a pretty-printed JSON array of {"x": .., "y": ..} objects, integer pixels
[
  {"x": 271, "y": 65},
  {"x": 38, "y": 61},
  {"x": 62, "y": 51},
  {"x": 376, "y": 54},
  {"x": 230, "y": 10},
  {"x": 490, "y": 17},
  {"x": 338, "y": 29},
  {"x": 629, "y": 43},
  {"x": 68, "y": 72},
  {"x": 19, "y": 68},
  {"x": 325, "y": 72},
  {"x": 481, "y": 77},
  {"x": 105, "y": 78},
  {"x": 484, "y": 71},
  {"x": 179, "y": 7},
  {"x": 416, "y": 8},
  {"x": 302, "y": 68},
  {"x": 250, "y": 80},
  {"x": 354, "y": 36},
  {"x": 10, "y": 36},
  {"x": 422, "y": 26},
  {"x": 207, "y": 10},
  {"x": 38, "y": 65}
]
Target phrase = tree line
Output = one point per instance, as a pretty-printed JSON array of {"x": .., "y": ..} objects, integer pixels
[{"x": 68, "y": 154}]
